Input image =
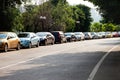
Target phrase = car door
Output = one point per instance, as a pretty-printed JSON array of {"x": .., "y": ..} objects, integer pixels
[
  {"x": 12, "y": 41},
  {"x": 34, "y": 39}
]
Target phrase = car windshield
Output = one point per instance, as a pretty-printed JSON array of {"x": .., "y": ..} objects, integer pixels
[
  {"x": 77, "y": 33},
  {"x": 41, "y": 34},
  {"x": 68, "y": 34},
  {"x": 2, "y": 36},
  {"x": 23, "y": 35}
]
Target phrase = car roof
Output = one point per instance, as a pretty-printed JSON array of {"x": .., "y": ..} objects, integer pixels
[
  {"x": 43, "y": 32},
  {"x": 25, "y": 32},
  {"x": 7, "y": 32}
]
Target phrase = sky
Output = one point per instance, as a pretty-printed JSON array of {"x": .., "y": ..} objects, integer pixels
[{"x": 74, "y": 2}]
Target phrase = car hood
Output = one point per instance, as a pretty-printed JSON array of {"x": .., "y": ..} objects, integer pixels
[{"x": 2, "y": 40}]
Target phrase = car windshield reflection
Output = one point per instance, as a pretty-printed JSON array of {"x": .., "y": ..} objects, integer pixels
[{"x": 2, "y": 36}]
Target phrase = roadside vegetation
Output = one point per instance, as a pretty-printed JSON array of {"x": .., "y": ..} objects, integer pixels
[
  {"x": 49, "y": 16},
  {"x": 55, "y": 15},
  {"x": 98, "y": 27}
]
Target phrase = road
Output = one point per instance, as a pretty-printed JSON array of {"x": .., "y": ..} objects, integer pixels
[{"x": 83, "y": 60}]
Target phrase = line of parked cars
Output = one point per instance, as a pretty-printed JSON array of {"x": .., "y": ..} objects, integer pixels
[{"x": 11, "y": 40}]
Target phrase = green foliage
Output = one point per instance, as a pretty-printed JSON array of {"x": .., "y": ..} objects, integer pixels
[
  {"x": 8, "y": 13},
  {"x": 13, "y": 20},
  {"x": 29, "y": 17},
  {"x": 16, "y": 24},
  {"x": 117, "y": 28},
  {"x": 96, "y": 27},
  {"x": 109, "y": 27},
  {"x": 110, "y": 10},
  {"x": 85, "y": 21},
  {"x": 59, "y": 16}
]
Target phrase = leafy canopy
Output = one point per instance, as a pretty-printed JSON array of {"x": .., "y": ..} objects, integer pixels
[{"x": 109, "y": 9}]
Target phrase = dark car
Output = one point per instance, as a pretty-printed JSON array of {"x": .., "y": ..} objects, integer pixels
[
  {"x": 71, "y": 36},
  {"x": 46, "y": 38},
  {"x": 59, "y": 36}
]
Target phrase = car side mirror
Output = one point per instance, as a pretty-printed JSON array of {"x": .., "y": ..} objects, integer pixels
[{"x": 8, "y": 38}]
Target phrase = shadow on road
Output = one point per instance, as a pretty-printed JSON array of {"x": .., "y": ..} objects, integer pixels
[{"x": 63, "y": 66}]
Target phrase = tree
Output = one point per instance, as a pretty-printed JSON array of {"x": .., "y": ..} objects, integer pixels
[
  {"x": 30, "y": 19},
  {"x": 96, "y": 27},
  {"x": 86, "y": 21},
  {"x": 79, "y": 17},
  {"x": 109, "y": 10},
  {"x": 62, "y": 16},
  {"x": 109, "y": 27},
  {"x": 6, "y": 19}
]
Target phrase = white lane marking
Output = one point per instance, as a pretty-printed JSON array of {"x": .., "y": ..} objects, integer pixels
[
  {"x": 95, "y": 69},
  {"x": 21, "y": 62}
]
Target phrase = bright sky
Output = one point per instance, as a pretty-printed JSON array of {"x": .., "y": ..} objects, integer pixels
[{"x": 74, "y": 2}]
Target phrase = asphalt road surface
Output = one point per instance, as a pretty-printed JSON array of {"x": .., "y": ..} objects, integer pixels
[{"x": 84, "y": 60}]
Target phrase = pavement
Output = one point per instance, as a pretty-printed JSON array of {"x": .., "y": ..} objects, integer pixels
[{"x": 97, "y": 59}]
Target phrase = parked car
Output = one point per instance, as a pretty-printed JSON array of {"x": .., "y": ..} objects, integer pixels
[
  {"x": 119, "y": 33},
  {"x": 99, "y": 35},
  {"x": 108, "y": 34},
  {"x": 102, "y": 34},
  {"x": 28, "y": 39},
  {"x": 71, "y": 36},
  {"x": 88, "y": 35},
  {"x": 45, "y": 38},
  {"x": 94, "y": 35},
  {"x": 59, "y": 36},
  {"x": 9, "y": 40},
  {"x": 80, "y": 35},
  {"x": 115, "y": 34}
]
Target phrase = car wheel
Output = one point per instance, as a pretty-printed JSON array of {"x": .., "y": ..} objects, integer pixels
[
  {"x": 70, "y": 40},
  {"x": 37, "y": 44},
  {"x": 65, "y": 41},
  {"x": 30, "y": 45},
  {"x": 6, "y": 48},
  {"x": 18, "y": 46},
  {"x": 52, "y": 43},
  {"x": 45, "y": 42},
  {"x": 61, "y": 41}
]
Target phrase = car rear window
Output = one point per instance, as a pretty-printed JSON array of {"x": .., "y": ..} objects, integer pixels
[{"x": 55, "y": 34}]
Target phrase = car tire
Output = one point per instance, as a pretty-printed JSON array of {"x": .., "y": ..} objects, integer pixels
[
  {"x": 37, "y": 44},
  {"x": 5, "y": 48},
  {"x": 30, "y": 45},
  {"x": 52, "y": 43},
  {"x": 61, "y": 41},
  {"x": 18, "y": 46},
  {"x": 45, "y": 42}
]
